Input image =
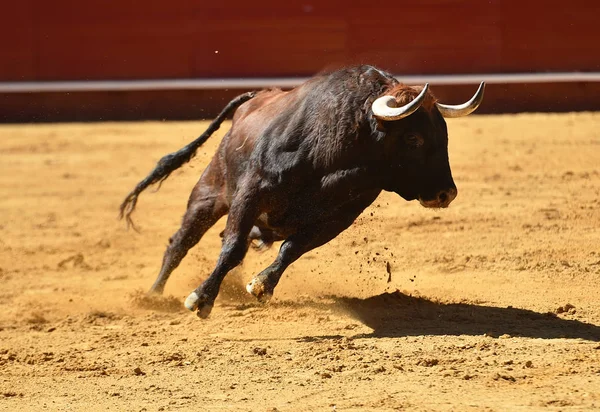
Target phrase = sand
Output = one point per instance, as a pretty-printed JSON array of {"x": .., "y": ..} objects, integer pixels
[{"x": 492, "y": 304}]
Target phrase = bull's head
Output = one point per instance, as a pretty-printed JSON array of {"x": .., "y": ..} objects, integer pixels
[{"x": 416, "y": 143}]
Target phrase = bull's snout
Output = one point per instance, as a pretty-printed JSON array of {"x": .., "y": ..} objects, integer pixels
[{"x": 442, "y": 199}]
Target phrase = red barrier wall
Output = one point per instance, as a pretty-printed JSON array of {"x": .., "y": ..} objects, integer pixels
[
  {"x": 99, "y": 39},
  {"x": 157, "y": 39}
]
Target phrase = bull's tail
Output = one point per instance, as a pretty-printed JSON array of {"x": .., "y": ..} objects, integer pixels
[{"x": 174, "y": 161}]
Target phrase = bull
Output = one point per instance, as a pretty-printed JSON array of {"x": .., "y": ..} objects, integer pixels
[{"x": 300, "y": 166}]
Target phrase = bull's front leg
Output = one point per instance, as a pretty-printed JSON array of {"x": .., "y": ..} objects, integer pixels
[
  {"x": 263, "y": 285},
  {"x": 243, "y": 213}
]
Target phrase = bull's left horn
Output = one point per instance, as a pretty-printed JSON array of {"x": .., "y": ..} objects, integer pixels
[
  {"x": 464, "y": 109},
  {"x": 384, "y": 108}
]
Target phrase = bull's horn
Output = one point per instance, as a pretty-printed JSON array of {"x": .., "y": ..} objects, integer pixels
[
  {"x": 384, "y": 108},
  {"x": 464, "y": 109}
]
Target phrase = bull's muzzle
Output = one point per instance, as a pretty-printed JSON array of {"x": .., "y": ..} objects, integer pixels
[{"x": 441, "y": 200}]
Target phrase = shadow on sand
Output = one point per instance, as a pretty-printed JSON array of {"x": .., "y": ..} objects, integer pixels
[{"x": 396, "y": 314}]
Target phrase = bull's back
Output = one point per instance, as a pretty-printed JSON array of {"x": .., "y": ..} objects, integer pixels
[
  {"x": 296, "y": 135},
  {"x": 252, "y": 118},
  {"x": 249, "y": 123}
]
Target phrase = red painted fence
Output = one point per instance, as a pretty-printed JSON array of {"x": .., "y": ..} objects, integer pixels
[{"x": 157, "y": 39}]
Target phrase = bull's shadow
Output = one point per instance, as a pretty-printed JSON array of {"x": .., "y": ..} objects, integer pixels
[{"x": 396, "y": 314}]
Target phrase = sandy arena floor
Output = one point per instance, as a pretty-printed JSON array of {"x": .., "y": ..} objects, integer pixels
[{"x": 493, "y": 304}]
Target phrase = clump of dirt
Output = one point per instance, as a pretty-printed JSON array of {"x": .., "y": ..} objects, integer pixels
[
  {"x": 75, "y": 261},
  {"x": 568, "y": 308}
]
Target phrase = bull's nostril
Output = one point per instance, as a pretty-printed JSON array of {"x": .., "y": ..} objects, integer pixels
[
  {"x": 452, "y": 194},
  {"x": 443, "y": 197}
]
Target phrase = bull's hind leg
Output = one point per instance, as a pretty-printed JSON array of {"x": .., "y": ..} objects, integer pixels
[
  {"x": 263, "y": 285},
  {"x": 205, "y": 208},
  {"x": 243, "y": 213}
]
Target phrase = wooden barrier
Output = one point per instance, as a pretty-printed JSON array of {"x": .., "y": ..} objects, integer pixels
[
  {"x": 96, "y": 39},
  {"x": 154, "y": 39}
]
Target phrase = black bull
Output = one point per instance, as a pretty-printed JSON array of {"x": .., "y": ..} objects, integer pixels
[{"x": 300, "y": 166}]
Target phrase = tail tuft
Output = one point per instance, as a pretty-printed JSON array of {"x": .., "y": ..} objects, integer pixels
[{"x": 173, "y": 161}]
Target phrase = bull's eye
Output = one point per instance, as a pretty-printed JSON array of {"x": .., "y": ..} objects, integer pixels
[{"x": 413, "y": 141}]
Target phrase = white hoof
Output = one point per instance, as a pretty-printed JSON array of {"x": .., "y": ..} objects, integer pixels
[
  {"x": 256, "y": 287},
  {"x": 191, "y": 302}
]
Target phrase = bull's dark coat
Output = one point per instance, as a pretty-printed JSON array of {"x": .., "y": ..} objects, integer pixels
[{"x": 300, "y": 166}]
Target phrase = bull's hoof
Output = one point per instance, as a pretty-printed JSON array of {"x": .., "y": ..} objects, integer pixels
[
  {"x": 259, "y": 290},
  {"x": 201, "y": 304},
  {"x": 191, "y": 302}
]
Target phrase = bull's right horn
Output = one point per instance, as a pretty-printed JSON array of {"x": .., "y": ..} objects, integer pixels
[
  {"x": 384, "y": 108},
  {"x": 464, "y": 109}
]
